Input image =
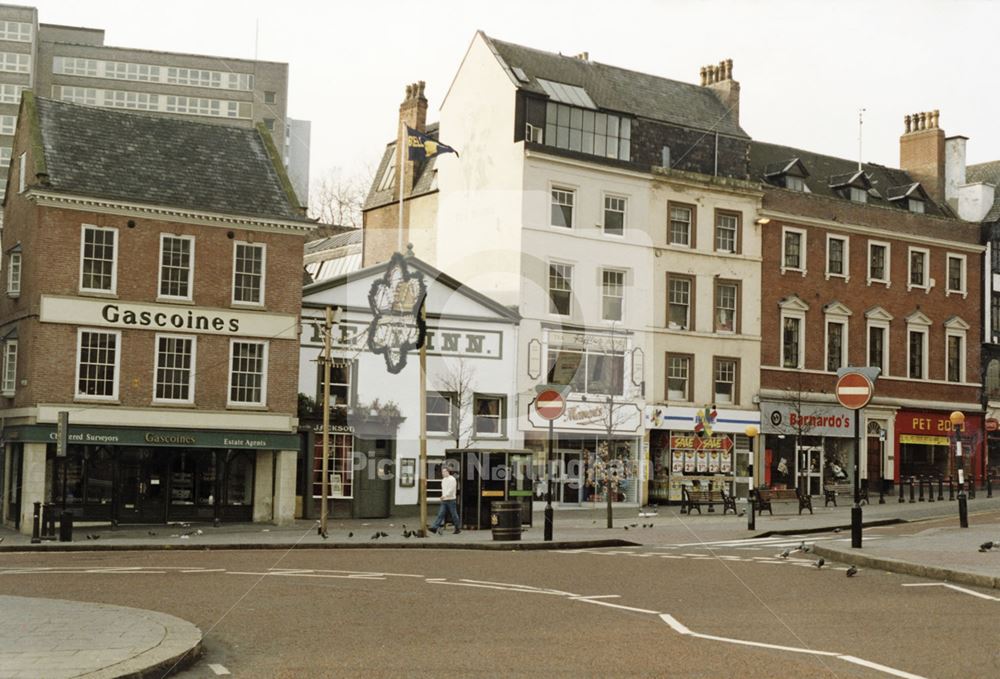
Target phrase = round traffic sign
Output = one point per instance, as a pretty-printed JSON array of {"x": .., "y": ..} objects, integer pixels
[
  {"x": 854, "y": 390},
  {"x": 550, "y": 405}
]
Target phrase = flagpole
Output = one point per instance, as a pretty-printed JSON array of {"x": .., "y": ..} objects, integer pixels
[{"x": 402, "y": 183}]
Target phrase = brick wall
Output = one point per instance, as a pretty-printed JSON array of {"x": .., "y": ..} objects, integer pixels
[{"x": 814, "y": 289}]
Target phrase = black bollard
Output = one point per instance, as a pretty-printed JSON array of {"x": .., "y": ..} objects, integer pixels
[
  {"x": 711, "y": 507},
  {"x": 751, "y": 511},
  {"x": 930, "y": 489},
  {"x": 911, "y": 489},
  {"x": 36, "y": 517},
  {"x": 940, "y": 488},
  {"x": 989, "y": 486},
  {"x": 901, "y": 482},
  {"x": 48, "y": 521},
  {"x": 972, "y": 486},
  {"x": 920, "y": 495},
  {"x": 66, "y": 527},
  {"x": 951, "y": 489}
]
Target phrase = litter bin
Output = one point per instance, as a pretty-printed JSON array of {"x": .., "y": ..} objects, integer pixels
[
  {"x": 505, "y": 519},
  {"x": 66, "y": 527}
]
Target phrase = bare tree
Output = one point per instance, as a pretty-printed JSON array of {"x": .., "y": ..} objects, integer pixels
[
  {"x": 337, "y": 198},
  {"x": 458, "y": 382}
]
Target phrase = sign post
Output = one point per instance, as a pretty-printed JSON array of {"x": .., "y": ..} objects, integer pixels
[
  {"x": 854, "y": 391},
  {"x": 62, "y": 434},
  {"x": 549, "y": 405}
]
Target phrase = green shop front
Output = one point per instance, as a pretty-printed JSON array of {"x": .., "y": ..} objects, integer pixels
[{"x": 135, "y": 475}]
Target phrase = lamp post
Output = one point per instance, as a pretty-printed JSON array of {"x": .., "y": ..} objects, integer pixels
[
  {"x": 751, "y": 432},
  {"x": 957, "y": 420}
]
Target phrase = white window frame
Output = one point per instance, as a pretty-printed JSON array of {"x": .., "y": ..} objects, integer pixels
[
  {"x": 887, "y": 281},
  {"x": 916, "y": 206},
  {"x": 688, "y": 360},
  {"x": 114, "y": 262},
  {"x": 846, "y": 275},
  {"x": 795, "y": 183},
  {"x": 190, "y": 276},
  {"x": 8, "y": 125},
  {"x": 77, "y": 395},
  {"x": 552, "y": 198},
  {"x": 624, "y": 283},
  {"x": 802, "y": 269},
  {"x": 263, "y": 383},
  {"x": 450, "y": 398},
  {"x": 857, "y": 195},
  {"x": 843, "y": 322},
  {"x": 14, "y": 261},
  {"x": 501, "y": 418},
  {"x": 549, "y": 304},
  {"x": 717, "y": 361},
  {"x": 624, "y": 212},
  {"x": 962, "y": 260},
  {"x": 692, "y": 225},
  {"x": 263, "y": 274},
  {"x": 878, "y": 318},
  {"x": 191, "y": 373},
  {"x": 956, "y": 327},
  {"x": 9, "y": 385},
  {"x": 910, "y": 285},
  {"x": 918, "y": 322},
  {"x": 793, "y": 308},
  {"x": 690, "y": 281}
]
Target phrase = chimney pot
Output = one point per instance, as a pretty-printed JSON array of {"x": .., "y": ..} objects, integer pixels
[
  {"x": 420, "y": 88},
  {"x": 937, "y": 113},
  {"x": 704, "y": 77},
  {"x": 729, "y": 69},
  {"x": 906, "y": 121}
]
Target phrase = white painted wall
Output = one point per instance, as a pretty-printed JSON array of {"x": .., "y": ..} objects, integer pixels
[{"x": 479, "y": 204}]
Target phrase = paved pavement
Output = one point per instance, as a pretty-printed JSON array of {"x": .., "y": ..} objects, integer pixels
[{"x": 54, "y": 638}]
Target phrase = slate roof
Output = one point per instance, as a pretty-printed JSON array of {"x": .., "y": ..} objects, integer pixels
[
  {"x": 351, "y": 237},
  {"x": 885, "y": 181},
  {"x": 134, "y": 157},
  {"x": 989, "y": 173},
  {"x": 423, "y": 181},
  {"x": 618, "y": 89}
]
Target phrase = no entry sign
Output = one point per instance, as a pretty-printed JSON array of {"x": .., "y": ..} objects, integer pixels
[
  {"x": 550, "y": 405},
  {"x": 854, "y": 390}
]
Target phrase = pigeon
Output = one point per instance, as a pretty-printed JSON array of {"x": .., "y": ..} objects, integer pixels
[
  {"x": 986, "y": 546},
  {"x": 784, "y": 554},
  {"x": 406, "y": 533},
  {"x": 152, "y": 533},
  {"x": 806, "y": 549},
  {"x": 852, "y": 571},
  {"x": 350, "y": 535},
  {"x": 819, "y": 562},
  {"x": 383, "y": 535},
  {"x": 375, "y": 537},
  {"x": 836, "y": 530},
  {"x": 186, "y": 536},
  {"x": 93, "y": 536},
  {"x": 634, "y": 525},
  {"x": 200, "y": 532},
  {"x": 801, "y": 547},
  {"x": 625, "y": 527}
]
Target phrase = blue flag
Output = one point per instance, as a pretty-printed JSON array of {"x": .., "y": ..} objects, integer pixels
[{"x": 421, "y": 147}]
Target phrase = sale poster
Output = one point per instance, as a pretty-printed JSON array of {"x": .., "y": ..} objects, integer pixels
[
  {"x": 689, "y": 456},
  {"x": 726, "y": 463},
  {"x": 702, "y": 462},
  {"x": 677, "y": 462},
  {"x": 713, "y": 462}
]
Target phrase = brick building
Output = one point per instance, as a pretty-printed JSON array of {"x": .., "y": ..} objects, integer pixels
[
  {"x": 146, "y": 293},
  {"x": 866, "y": 265}
]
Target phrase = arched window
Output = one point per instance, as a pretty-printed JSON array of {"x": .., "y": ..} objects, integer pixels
[{"x": 993, "y": 379}]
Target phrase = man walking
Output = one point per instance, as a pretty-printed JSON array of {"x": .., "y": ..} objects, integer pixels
[{"x": 449, "y": 488}]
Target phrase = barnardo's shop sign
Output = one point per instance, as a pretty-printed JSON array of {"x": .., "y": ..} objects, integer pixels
[
  {"x": 172, "y": 438},
  {"x": 806, "y": 419},
  {"x": 166, "y": 318}
]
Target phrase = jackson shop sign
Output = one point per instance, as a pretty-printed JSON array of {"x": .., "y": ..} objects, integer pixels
[
  {"x": 806, "y": 419},
  {"x": 168, "y": 317}
]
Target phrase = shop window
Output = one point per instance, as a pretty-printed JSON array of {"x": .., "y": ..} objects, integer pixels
[
  {"x": 100, "y": 475},
  {"x": 489, "y": 415},
  {"x": 339, "y": 466}
]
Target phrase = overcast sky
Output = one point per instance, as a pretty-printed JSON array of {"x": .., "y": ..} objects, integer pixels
[{"x": 805, "y": 68}]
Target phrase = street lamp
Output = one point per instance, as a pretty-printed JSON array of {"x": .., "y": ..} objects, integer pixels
[
  {"x": 751, "y": 432},
  {"x": 957, "y": 420}
]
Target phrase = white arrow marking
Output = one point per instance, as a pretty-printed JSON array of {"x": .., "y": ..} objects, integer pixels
[{"x": 950, "y": 586}]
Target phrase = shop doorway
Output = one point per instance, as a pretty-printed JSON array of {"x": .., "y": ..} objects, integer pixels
[
  {"x": 873, "y": 444},
  {"x": 811, "y": 469},
  {"x": 569, "y": 478},
  {"x": 141, "y": 486},
  {"x": 373, "y": 484}
]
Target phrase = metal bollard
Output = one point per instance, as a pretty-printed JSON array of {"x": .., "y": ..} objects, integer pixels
[
  {"x": 48, "y": 521},
  {"x": 972, "y": 486},
  {"x": 940, "y": 489},
  {"x": 951, "y": 489},
  {"x": 711, "y": 507},
  {"x": 920, "y": 482},
  {"x": 66, "y": 527},
  {"x": 911, "y": 489},
  {"x": 901, "y": 482},
  {"x": 36, "y": 517},
  {"x": 930, "y": 489},
  {"x": 989, "y": 486}
]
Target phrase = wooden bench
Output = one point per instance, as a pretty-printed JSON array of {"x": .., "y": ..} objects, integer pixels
[
  {"x": 832, "y": 490},
  {"x": 694, "y": 499},
  {"x": 765, "y": 496}
]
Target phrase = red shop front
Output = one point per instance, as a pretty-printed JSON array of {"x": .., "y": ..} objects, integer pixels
[{"x": 924, "y": 445}]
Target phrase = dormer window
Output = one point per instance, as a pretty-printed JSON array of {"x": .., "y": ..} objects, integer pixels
[
  {"x": 909, "y": 196},
  {"x": 790, "y": 173},
  {"x": 852, "y": 185},
  {"x": 795, "y": 183},
  {"x": 858, "y": 195},
  {"x": 915, "y": 205}
]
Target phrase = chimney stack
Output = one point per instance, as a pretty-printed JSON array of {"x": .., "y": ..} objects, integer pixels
[
  {"x": 922, "y": 152},
  {"x": 412, "y": 112},
  {"x": 719, "y": 77},
  {"x": 583, "y": 56}
]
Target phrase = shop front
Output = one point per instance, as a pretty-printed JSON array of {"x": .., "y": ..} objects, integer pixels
[
  {"x": 587, "y": 459},
  {"x": 131, "y": 475},
  {"x": 925, "y": 445},
  {"x": 688, "y": 449}
]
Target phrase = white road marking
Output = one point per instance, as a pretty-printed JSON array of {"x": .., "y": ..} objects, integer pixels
[
  {"x": 218, "y": 669},
  {"x": 680, "y": 628},
  {"x": 503, "y": 589},
  {"x": 204, "y": 570},
  {"x": 599, "y": 596},
  {"x": 624, "y": 608},
  {"x": 950, "y": 586},
  {"x": 881, "y": 668}
]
